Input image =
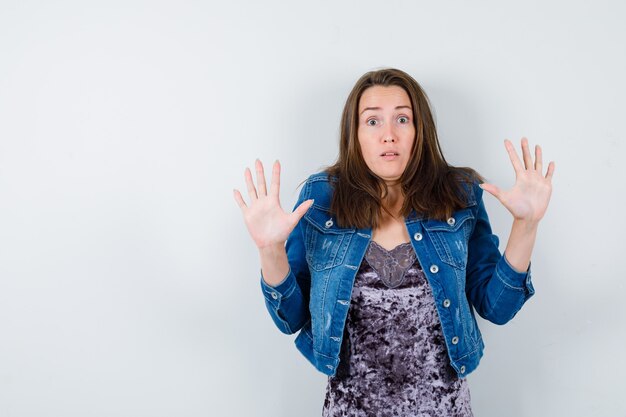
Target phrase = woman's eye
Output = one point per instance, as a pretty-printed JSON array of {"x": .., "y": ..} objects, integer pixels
[
  {"x": 372, "y": 122},
  {"x": 403, "y": 119}
]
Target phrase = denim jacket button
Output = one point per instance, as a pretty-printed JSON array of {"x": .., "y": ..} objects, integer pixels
[
  {"x": 455, "y": 340},
  {"x": 417, "y": 236},
  {"x": 462, "y": 369},
  {"x": 329, "y": 223},
  {"x": 451, "y": 221},
  {"x": 274, "y": 295},
  {"x": 434, "y": 269},
  {"x": 446, "y": 303}
]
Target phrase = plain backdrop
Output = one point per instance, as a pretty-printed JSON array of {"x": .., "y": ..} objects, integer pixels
[{"x": 129, "y": 285}]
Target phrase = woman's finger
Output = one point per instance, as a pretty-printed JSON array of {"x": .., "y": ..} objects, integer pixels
[
  {"x": 528, "y": 161},
  {"x": 550, "y": 171},
  {"x": 301, "y": 210},
  {"x": 538, "y": 159},
  {"x": 239, "y": 199},
  {"x": 517, "y": 164},
  {"x": 492, "y": 189},
  {"x": 275, "y": 184},
  {"x": 260, "y": 178},
  {"x": 250, "y": 185}
]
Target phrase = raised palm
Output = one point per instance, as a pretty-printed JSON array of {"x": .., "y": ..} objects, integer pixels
[
  {"x": 268, "y": 224},
  {"x": 528, "y": 198}
]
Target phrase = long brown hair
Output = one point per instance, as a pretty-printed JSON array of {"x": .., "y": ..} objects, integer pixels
[{"x": 430, "y": 185}]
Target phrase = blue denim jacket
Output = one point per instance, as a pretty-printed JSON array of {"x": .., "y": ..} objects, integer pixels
[{"x": 460, "y": 258}]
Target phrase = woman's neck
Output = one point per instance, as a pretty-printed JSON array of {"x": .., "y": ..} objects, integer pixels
[{"x": 394, "y": 200}]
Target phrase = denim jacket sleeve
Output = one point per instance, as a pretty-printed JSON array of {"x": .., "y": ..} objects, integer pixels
[
  {"x": 288, "y": 301},
  {"x": 494, "y": 288}
]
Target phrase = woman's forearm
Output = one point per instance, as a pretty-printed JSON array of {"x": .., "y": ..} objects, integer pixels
[
  {"x": 274, "y": 264},
  {"x": 520, "y": 245}
]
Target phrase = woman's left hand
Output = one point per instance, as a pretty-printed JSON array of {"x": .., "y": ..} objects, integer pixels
[{"x": 529, "y": 197}]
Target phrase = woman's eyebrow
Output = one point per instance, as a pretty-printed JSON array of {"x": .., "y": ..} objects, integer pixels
[{"x": 378, "y": 108}]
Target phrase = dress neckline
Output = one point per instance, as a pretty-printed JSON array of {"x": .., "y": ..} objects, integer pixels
[{"x": 391, "y": 250}]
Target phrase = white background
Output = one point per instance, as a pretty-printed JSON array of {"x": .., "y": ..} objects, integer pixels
[{"x": 129, "y": 285}]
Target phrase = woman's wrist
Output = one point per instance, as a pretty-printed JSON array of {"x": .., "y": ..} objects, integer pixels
[{"x": 274, "y": 264}]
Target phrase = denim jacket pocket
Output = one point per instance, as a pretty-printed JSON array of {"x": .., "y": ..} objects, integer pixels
[
  {"x": 326, "y": 243},
  {"x": 450, "y": 237}
]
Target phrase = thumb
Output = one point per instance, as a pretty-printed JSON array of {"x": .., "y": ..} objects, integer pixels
[
  {"x": 301, "y": 210},
  {"x": 491, "y": 189}
]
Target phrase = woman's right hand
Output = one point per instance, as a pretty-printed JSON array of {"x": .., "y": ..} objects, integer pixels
[{"x": 269, "y": 225}]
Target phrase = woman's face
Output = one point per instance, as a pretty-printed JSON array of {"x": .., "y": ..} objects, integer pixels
[{"x": 386, "y": 131}]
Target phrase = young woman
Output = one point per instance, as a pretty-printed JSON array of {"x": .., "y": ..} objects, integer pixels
[{"x": 388, "y": 253}]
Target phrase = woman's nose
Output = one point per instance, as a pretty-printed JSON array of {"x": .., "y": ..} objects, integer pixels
[{"x": 388, "y": 135}]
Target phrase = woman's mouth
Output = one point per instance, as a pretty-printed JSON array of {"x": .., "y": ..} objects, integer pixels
[{"x": 389, "y": 156}]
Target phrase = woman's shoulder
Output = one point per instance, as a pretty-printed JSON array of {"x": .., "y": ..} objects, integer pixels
[
  {"x": 321, "y": 176},
  {"x": 319, "y": 186},
  {"x": 469, "y": 185}
]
